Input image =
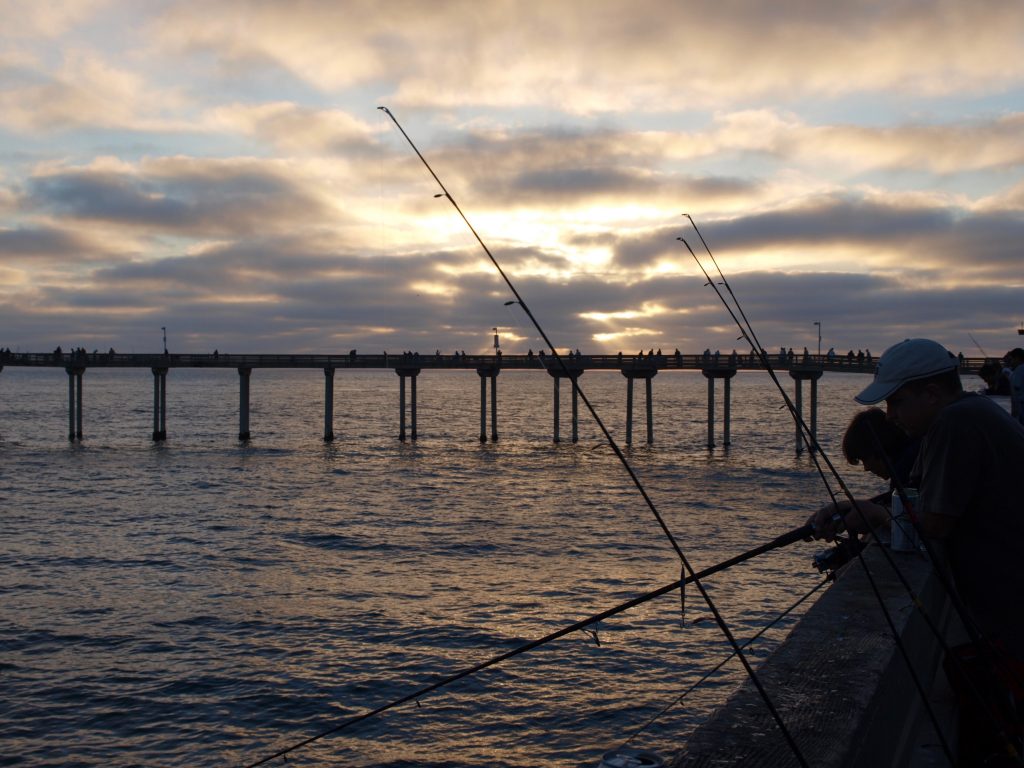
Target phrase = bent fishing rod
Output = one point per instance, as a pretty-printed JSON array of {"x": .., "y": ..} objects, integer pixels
[
  {"x": 797, "y": 534},
  {"x": 747, "y": 331},
  {"x": 686, "y": 568}
]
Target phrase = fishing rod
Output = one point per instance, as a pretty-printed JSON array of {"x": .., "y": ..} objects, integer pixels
[
  {"x": 797, "y": 534},
  {"x": 983, "y": 352},
  {"x": 686, "y": 567},
  {"x": 748, "y": 332}
]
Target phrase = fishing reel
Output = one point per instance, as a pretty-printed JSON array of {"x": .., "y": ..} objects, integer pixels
[{"x": 831, "y": 560}]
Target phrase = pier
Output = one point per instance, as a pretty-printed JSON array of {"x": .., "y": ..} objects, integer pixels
[{"x": 408, "y": 366}]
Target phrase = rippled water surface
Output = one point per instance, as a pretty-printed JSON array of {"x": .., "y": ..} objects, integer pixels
[{"x": 207, "y": 602}]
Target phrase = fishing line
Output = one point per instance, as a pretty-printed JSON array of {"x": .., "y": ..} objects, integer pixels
[
  {"x": 792, "y": 536},
  {"x": 748, "y": 333},
  {"x": 719, "y": 619},
  {"x": 679, "y": 699}
]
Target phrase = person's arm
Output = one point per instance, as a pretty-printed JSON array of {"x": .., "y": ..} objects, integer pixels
[{"x": 832, "y": 519}]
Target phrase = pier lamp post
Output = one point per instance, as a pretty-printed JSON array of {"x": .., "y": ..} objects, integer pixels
[
  {"x": 164, "y": 329},
  {"x": 818, "y": 323},
  {"x": 497, "y": 350}
]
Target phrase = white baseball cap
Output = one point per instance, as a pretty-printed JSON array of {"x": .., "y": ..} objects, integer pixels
[{"x": 910, "y": 360}]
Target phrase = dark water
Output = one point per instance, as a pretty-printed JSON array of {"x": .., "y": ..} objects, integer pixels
[{"x": 204, "y": 602}]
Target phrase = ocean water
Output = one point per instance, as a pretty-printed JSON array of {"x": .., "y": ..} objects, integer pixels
[{"x": 207, "y": 602}]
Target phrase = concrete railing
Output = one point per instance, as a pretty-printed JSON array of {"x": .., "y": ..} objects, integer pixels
[{"x": 839, "y": 681}]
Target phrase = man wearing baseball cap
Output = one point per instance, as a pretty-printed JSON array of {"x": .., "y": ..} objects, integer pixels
[{"x": 968, "y": 475}]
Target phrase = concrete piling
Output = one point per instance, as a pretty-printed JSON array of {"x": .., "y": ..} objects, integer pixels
[
  {"x": 159, "y": 404},
  {"x": 711, "y": 374},
  {"x": 486, "y": 372},
  {"x": 800, "y": 374},
  {"x": 328, "y": 404},
  {"x": 403, "y": 374},
  {"x": 75, "y": 402},
  {"x": 244, "y": 374},
  {"x": 647, "y": 374}
]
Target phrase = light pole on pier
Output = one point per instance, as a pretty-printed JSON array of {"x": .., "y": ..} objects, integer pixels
[
  {"x": 497, "y": 350},
  {"x": 164, "y": 329},
  {"x": 818, "y": 323}
]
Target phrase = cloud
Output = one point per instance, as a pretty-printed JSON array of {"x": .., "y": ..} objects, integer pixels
[
  {"x": 38, "y": 243},
  {"x": 87, "y": 90},
  {"x": 607, "y": 56},
  {"x": 294, "y": 128},
  {"x": 187, "y": 196},
  {"x": 45, "y": 18}
]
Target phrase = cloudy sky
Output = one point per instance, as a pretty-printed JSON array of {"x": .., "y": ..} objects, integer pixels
[{"x": 221, "y": 170}]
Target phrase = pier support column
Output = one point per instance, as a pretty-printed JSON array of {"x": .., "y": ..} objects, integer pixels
[
  {"x": 159, "y": 404},
  {"x": 711, "y": 374},
  {"x": 629, "y": 410},
  {"x": 711, "y": 412},
  {"x": 814, "y": 410},
  {"x": 647, "y": 374},
  {"x": 799, "y": 402},
  {"x": 494, "y": 406},
  {"x": 243, "y": 403},
  {"x": 328, "y": 405},
  {"x": 488, "y": 372},
  {"x": 800, "y": 374},
  {"x": 575, "y": 408},
  {"x": 75, "y": 402},
  {"x": 650, "y": 409},
  {"x": 727, "y": 411},
  {"x": 555, "y": 433},
  {"x": 403, "y": 374},
  {"x": 573, "y": 376}
]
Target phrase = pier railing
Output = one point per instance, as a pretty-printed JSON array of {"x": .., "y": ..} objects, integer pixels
[{"x": 384, "y": 360}]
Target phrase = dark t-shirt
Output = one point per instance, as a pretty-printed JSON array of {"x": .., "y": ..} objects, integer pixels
[{"x": 970, "y": 467}]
